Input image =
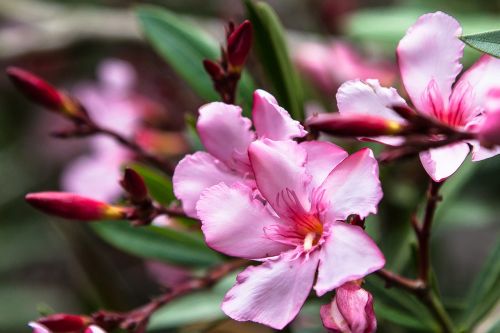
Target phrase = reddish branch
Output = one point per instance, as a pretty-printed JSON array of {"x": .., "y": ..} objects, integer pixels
[{"x": 135, "y": 321}]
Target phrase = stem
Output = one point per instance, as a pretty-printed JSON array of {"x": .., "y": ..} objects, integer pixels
[
  {"x": 136, "y": 320},
  {"x": 152, "y": 159},
  {"x": 394, "y": 279},
  {"x": 436, "y": 307}
]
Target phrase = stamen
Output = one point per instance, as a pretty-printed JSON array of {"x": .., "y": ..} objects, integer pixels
[{"x": 309, "y": 241}]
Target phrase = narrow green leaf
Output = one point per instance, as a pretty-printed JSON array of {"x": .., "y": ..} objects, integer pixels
[
  {"x": 159, "y": 185},
  {"x": 184, "y": 46},
  {"x": 487, "y": 42},
  {"x": 199, "y": 307},
  {"x": 273, "y": 55},
  {"x": 395, "y": 315},
  {"x": 164, "y": 244},
  {"x": 485, "y": 291}
]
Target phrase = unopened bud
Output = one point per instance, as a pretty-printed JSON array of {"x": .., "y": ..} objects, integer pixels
[
  {"x": 74, "y": 207},
  {"x": 213, "y": 69},
  {"x": 351, "y": 310},
  {"x": 43, "y": 93},
  {"x": 239, "y": 43},
  {"x": 134, "y": 184},
  {"x": 62, "y": 323},
  {"x": 354, "y": 125}
]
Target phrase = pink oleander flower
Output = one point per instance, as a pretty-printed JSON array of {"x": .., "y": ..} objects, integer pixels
[
  {"x": 428, "y": 57},
  {"x": 226, "y": 135},
  {"x": 351, "y": 311},
  {"x": 112, "y": 104},
  {"x": 328, "y": 66},
  {"x": 293, "y": 223}
]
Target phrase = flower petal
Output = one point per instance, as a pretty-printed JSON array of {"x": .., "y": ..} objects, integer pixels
[
  {"x": 348, "y": 254},
  {"x": 278, "y": 166},
  {"x": 195, "y": 173},
  {"x": 368, "y": 97},
  {"x": 480, "y": 153},
  {"x": 322, "y": 158},
  {"x": 271, "y": 120},
  {"x": 272, "y": 293},
  {"x": 440, "y": 163},
  {"x": 38, "y": 328},
  {"x": 225, "y": 133},
  {"x": 430, "y": 50},
  {"x": 353, "y": 187},
  {"x": 233, "y": 222},
  {"x": 482, "y": 77},
  {"x": 356, "y": 305}
]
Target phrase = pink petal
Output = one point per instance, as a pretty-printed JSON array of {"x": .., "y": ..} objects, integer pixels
[
  {"x": 272, "y": 293},
  {"x": 279, "y": 166},
  {"x": 353, "y": 187},
  {"x": 94, "y": 329},
  {"x": 322, "y": 157},
  {"x": 332, "y": 318},
  {"x": 96, "y": 176},
  {"x": 368, "y": 97},
  {"x": 233, "y": 222},
  {"x": 356, "y": 306},
  {"x": 38, "y": 328},
  {"x": 440, "y": 163},
  {"x": 271, "y": 120},
  {"x": 348, "y": 254},
  {"x": 195, "y": 173},
  {"x": 430, "y": 50},
  {"x": 482, "y": 77},
  {"x": 225, "y": 133},
  {"x": 480, "y": 153}
]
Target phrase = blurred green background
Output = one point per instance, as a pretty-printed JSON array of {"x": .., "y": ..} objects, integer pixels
[{"x": 50, "y": 265}]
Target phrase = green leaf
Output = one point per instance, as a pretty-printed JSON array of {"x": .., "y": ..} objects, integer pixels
[
  {"x": 485, "y": 291},
  {"x": 273, "y": 55},
  {"x": 399, "y": 317},
  {"x": 198, "y": 307},
  {"x": 159, "y": 185},
  {"x": 184, "y": 46},
  {"x": 487, "y": 42},
  {"x": 158, "y": 243}
]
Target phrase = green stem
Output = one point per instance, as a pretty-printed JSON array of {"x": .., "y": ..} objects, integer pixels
[{"x": 436, "y": 307}]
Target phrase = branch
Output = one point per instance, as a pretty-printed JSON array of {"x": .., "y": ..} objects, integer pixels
[{"x": 136, "y": 320}]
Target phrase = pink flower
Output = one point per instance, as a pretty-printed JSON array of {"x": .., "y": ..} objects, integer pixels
[
  {"x": 327, "y": 66},
  {"x": 293, "y": 224},
  {"x": 351, "y": 311},
  {"x": 226, "y": 135},
  {"x": 428, "y": 59},
  {"x": 111, "y": 103}
]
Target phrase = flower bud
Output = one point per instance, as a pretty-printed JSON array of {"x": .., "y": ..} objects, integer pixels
[
  {"x": 354, "y": 125},
  {"x": 489, "y": 131},
  {"x": 213, "y": 69},
  {"x": 351, "y": 310},
  {"x": 134, "y": 184},
  {"x": 41, "y": 92},
  {"x": 60, "y": 323},
  {"x": 74, "y": 207},
  {"x": 239, "y": 43}
]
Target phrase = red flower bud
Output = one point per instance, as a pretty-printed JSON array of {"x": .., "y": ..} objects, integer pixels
[
  {"x": 354, "y": 125},
  {"x": 351, "y": 310},
  {"x": 213, "y": 69},
  {"x": 134, "y": 184},
  {"x": 41, "y": 92},
  {"x": 74, "y": 207},
  {"x": 238, "y": 44},
  {"x": 62, "y": 323}
]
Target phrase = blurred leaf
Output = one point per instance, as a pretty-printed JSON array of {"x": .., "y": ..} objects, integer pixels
[
  {"x": 159, "y": 185},
  {"x": 485, "y": 291},
  {"x": 396, "y": 305},
  {"x": 487, "y": 42},
  {"x": 160, "y": 243},
  {"x": 198, "y": 307},
  {"x": 184, "y": 46},
  {"x": 273, "y": 55},
  {"x": 384, "y": 27},
  {"x": 192, "y": 134}
]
